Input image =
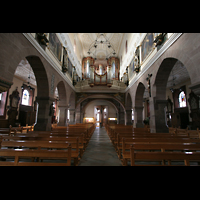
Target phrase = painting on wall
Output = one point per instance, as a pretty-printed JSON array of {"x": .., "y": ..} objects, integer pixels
[
  {"x": 70, "y": 66},
  {"x": 147, "y": 45},
  {"x": 131, "y": 69},
  {"x": 55, "y": 45}
]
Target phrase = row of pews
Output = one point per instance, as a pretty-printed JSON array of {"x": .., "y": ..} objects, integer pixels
[
  {"x": 19, "y": 129},
  {"x": 62, "y": 146},
  {"x": 138, "y": 146}
]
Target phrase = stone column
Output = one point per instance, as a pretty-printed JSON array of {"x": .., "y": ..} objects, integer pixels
[
  {"x": 138, "y": 117},
  {"x": 157, "y": 116},
  {"x": 128, "y": 117},
  {"x": 78, "y": 115},
  {"x": 72, "y": 116},
  {"x": 44, "y": 113},
  {"x": 121, "y": 117},
  {"x": 63, "y": 115},
  {"x": 117, "y": 114}
]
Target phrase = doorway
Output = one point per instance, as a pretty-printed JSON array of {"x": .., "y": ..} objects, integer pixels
[{"x": 101, "y": 115}]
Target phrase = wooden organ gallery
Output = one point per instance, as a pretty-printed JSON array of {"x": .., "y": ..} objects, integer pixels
[{"x": 100, "y": 73}]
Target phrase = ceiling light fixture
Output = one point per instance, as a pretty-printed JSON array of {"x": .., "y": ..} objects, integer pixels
[{"x": 101, "y": 39}]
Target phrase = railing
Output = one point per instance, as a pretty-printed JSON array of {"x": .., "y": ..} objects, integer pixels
[{"x": 100, "y": 79}]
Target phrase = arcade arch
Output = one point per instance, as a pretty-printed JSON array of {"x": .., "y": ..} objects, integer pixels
[{"x": 161, "y": 83}]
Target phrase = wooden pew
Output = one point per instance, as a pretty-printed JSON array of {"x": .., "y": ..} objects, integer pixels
[
  {"x": 127, "y": 142},
  {"x": 120, "y": 138},
  {"x": 113, "y": 131},
  {"x": 85, "y": 127},
  {"x": 172, "y": 130},
  {"x": 55, "y": 135},
  {"x": 159, "y": 156},
  {"x": 30, "y": 153},
  {"x": 5, "y": 131},
  {"x": 35, "y": 144},
  {"x": 190, "y": 133},
  {"x": 73, "y": 140},
  {"x": 73, "y": 132}
]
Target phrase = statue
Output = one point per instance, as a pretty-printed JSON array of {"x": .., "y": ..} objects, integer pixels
[{"x": 13, "y": 108}]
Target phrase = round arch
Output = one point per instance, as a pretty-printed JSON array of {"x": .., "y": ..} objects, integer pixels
[
  {"x": 40, "y": 75},
  {"x": 138, "y": 109},
  {"x": 104, "y": 102},
  {"x": 62, "y": 93},
  {"x": 139, "y": 95},
  {"x": 122, "y": 112},
  {"x": 128, "y": 107},
  {"x": 15, "y": 48},
  {"x": 100, "y": 99},
  {"x": 99, "y": 96},
  {"x": 159, "y": 92},
  {"x": 128, "y": 104}
]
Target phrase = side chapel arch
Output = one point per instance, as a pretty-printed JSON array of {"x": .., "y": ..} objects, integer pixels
[
  {"x": 79, "y": 112},
  {"x": 159, "y": 88},
  {"x": 128, "y": 107},
  {"x": 62, "y": 103},
  {"x": 138, "y": 109}
]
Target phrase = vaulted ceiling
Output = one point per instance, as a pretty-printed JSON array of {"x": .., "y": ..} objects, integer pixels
[
  {"x": 86, "y": 39},
  {"x": 178, "y": 75}
]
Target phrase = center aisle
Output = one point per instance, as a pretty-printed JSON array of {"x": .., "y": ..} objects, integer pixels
[{"x": 100, "y": 151}]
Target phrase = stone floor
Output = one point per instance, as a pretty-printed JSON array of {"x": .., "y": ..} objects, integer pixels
[{"x": 100, "y": 151}]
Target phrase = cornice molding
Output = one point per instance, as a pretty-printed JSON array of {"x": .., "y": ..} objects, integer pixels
[
  {"x": 164, "y": 48},
  {"x": 32, "y": 40}
]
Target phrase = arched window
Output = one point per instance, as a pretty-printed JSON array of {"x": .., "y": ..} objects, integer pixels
[
  {"x": 132, "y": 113},
  {"x": 25, "y": 97},
  {"x": 182, "y": 100}
]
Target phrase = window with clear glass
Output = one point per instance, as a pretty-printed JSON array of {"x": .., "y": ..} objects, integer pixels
[
  {"x": 68, "y": 114},
  {"x": 182, "y": 100},
  {"x": 132, "y": 115},
  {"x": 25, "y": 97}
]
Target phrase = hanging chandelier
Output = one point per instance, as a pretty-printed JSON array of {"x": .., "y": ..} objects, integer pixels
[{"x": 101, "y": 39}]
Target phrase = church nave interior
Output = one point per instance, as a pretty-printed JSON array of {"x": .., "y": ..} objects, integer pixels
[{"x": 75, "y": 85}]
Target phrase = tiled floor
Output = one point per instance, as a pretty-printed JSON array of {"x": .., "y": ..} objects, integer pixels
[{"x": 100, "y": 151}]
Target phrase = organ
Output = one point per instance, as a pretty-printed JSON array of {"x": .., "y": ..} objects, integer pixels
[{"x": 100, "y": 72}]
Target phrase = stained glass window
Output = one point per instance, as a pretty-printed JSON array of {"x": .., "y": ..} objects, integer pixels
[
  {"x": 25, "y": 97},
  {"x": 182, "y": 100}
]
